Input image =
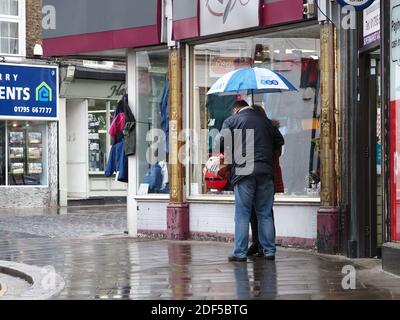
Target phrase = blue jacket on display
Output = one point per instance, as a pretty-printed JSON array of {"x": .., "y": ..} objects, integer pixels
[
  {"x": 164, "y": 110},
  {"x": 154, "y": 179},
  {"x": 117, "y": 162}
]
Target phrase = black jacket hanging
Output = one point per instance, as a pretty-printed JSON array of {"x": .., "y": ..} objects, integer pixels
[{"x": 130, "y": 128}]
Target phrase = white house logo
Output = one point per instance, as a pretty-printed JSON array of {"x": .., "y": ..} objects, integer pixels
[
  {"x": 44, "y": 93},
  {"x": 222, "y": 8}
]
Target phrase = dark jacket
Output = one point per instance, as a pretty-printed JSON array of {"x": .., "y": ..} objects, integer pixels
[{"x": 267, "y": 138}]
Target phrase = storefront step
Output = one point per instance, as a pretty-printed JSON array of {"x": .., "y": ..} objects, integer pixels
[
  {"x": 97, "y": 201},
  {"x": 391, "y": 258}
]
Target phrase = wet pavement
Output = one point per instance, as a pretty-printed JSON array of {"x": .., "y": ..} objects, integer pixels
[
  {"x": 112, "y": 266},
  {"x": 67, "y": 223}
]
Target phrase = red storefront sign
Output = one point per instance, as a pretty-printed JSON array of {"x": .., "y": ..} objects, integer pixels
[
  {"x": 84, "y": 26},
  {"x": 395, "y": 169},
  {"x": 188, "y": 22}
]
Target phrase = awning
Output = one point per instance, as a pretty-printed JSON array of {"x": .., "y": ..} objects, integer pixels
[{"x": 83, "y": 26}]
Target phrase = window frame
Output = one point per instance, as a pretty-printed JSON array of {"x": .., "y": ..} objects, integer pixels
[
  {"x": 109, "y": 106},
  {"x": 150, "y": 196},
  {"x": 21, "y": 21}
]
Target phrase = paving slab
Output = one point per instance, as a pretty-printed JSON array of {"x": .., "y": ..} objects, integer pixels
[{"x": 97, "y": 261}]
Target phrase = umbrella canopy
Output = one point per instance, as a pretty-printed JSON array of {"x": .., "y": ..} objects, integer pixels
[{"x": 251, "y": 80}]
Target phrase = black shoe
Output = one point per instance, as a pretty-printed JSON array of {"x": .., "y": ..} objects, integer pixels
[
  {"x": 271, "y": 258},
  {"x": 236, "y": 259},
  {"x": 253, "y": 250}
]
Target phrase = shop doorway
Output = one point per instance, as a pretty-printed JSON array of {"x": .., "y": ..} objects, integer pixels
[{"x": 369, "y": 154}]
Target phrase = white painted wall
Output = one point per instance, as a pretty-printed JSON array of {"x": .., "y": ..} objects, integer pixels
[
  {"x": 299, "y": 221},
  {"x": 291, "y": 221},
  {"x": 152, "y": 216},
  {"x": 296, "y": 221},
  {"x": 77, "y": 148}
]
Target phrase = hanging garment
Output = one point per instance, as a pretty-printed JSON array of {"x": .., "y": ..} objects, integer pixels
[
  {"x": 154, "y": 178},
  {"x": 219, "y": 109},
  {"x": 117, "y": 126},
  {"x": 129, "y": 131},
  {"x": 117, "y": 123},
  {"x": 309, "y": 73},
  {"x": 164, "y": 172},
  {"x": 117, "y": 162},
  {"x": 130, "y": 138},
  {"x": 164, "y": 110}
]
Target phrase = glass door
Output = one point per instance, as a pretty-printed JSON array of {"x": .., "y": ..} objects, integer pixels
[{"x": 376, "y": 107}]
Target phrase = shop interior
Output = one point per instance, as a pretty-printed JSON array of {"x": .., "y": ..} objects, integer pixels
[{"x": 23, "y": 153}]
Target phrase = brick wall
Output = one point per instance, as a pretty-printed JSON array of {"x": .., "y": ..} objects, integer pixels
[{"x": 33, "y": 25}]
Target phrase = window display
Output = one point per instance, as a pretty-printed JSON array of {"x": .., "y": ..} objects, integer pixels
[
  {"x": 2, "y": 153},
  {"x": 16, "y": 153},
  {"x": 26, "y": 153},
  {"x": 35, "y": 137},
  {"x": 153, "y": 113},
  {"x": 298, "y": 113}
]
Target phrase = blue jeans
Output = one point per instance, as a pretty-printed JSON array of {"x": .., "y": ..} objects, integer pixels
[{"x": 257, "y": 191}]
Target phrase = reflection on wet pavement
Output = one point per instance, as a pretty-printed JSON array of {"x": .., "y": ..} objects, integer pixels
[{"x": 124, "y": 268}]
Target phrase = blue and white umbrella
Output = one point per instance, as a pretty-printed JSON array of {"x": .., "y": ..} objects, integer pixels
[{"x": 251, "y": 80}]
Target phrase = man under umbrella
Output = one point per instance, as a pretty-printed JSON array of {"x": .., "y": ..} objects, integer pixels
[
  {"x": 254, "y": 187},
  {"x": 252, "y": 175}
]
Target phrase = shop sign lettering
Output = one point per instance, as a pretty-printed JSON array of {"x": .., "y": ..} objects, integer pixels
[
  {"x": 217, "y": 16},
  {"x": 28, "y": 92},
  {"x": 395, "y": 34},
  {"x": 117, "y": 91},
  {"x": 372, "y": 23}
]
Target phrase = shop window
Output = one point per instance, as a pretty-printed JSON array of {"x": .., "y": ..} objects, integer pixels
[
  {"x": 12, "y": 27},
  {"x": 3, "y": 153},
  {"x": 99, "y": 119},
  {"x": 152, "y": 121},
  {"x": 23, "y": 153},
  {"x": 294, "y": 56}
]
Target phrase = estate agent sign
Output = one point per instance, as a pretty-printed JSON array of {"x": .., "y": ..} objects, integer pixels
[{"x": 28, "y": 92}]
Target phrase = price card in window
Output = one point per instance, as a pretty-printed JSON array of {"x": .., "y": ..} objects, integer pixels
[
  {"x": 143, "y": 189},
  {"x": 195, "y": 189}
]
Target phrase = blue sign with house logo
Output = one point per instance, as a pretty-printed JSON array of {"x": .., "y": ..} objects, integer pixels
[{"x": 28, "y": 92}]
